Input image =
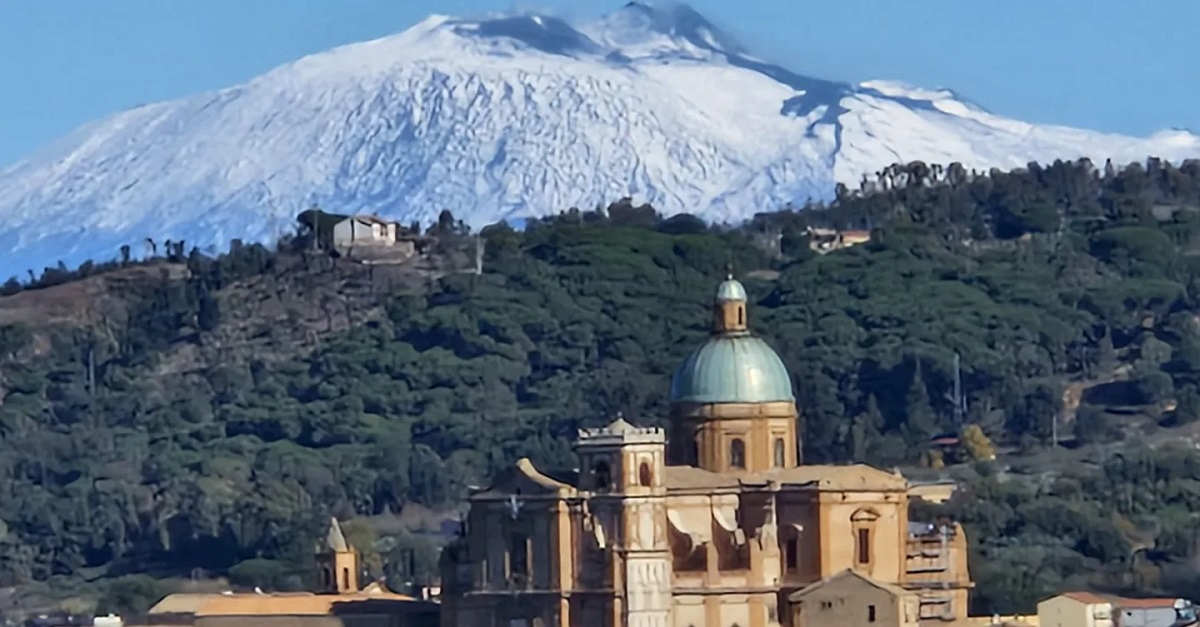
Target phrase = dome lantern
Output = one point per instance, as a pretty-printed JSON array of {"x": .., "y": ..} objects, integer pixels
[{"x": 729, "y": 306}]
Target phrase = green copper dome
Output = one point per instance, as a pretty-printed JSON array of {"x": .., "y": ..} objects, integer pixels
[
  {"x": 732, "y": 369},
  {"x": 733, "y": 366},
  {"x": 730, "y": 289}
]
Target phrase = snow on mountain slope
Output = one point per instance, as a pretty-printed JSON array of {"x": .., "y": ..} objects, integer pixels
[{"x": 509, "y": 117}]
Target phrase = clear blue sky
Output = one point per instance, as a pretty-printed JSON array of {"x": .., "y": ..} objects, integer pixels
[{"x": 1106, "y": 64}]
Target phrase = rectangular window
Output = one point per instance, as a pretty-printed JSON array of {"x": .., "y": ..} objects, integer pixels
[
  {"x": 793, "y": 554},
  {"x": 864, "y": 546},
  {"x": 870, "y": 613},
  {"x": 519, "y": 555}
]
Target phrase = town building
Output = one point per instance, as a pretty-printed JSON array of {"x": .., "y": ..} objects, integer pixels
[
  {"x": 371, "y": 239},
  {"x": 825, "y": 241},
  {"x": 711, "y": 522},
  {"x": 339, "y": 602},
  {"x": 364, "y": 231},
  {"x": 849, "y": 599},
  {"x": 1085, "y": 609}
]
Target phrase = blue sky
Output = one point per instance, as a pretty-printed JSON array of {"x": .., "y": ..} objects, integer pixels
[{"x": 1106, "y": 64}]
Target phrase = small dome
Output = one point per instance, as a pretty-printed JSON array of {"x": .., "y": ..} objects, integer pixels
[
  {"x": 732, "y": 369},
  {"x": 730, "y": 289}
]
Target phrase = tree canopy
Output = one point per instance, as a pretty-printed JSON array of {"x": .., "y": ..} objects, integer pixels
[{"x": 219, "y": 408}]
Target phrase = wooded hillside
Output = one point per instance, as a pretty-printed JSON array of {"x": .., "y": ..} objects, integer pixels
[{"x": 193, "y": 412}]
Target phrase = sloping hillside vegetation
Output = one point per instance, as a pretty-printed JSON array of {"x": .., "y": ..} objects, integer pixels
[{"x": 139, "y": 441}]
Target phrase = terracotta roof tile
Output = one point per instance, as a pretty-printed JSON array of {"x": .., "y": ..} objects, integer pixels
[
  {"x": 1145, "y": 603},
  {"x": 685, "y": 477},
  {"x": 850, "y": 477},
  {"x": 273, "y": 604},
  {"x": 1085, "y": 597}
]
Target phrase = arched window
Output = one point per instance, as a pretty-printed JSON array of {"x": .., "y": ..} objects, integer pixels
[
  {"x": 601, "y": 476},
  {"x": 345, "y": 579},
  {"x": 737, "y": 453},
  {"x": 780, "y": 453},
  {"x": 645, "y": 477},
  {"x": 741, "y": 315}
]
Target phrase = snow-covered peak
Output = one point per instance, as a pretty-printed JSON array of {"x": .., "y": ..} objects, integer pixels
[
  {"x": 636, "y": 30},
  {"x": 502, "y": 118},
  {"x": 900, "y": 89},
  {"x": 640, "y": 29},
  {"x": 550, "y": 35},
  {"x": 1175, "y": 137}
]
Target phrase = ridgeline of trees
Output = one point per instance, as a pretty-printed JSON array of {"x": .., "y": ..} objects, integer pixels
[{"x": 1039, "y": 279}]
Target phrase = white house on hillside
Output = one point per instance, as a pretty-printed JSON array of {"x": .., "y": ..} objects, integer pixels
[{"x": 363, "y": 231}]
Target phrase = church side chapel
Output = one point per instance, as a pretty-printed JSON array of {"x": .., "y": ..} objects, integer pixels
[
  {"x": 339, "y": 600},
  {"x": 712, "y": 522}
]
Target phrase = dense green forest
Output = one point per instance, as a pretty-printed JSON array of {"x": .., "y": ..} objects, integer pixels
[{"x": 139, "y": 438}]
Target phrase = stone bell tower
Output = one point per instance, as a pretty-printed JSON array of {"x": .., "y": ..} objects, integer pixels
[
  {"x": 622, "y": 473},
  {"x": 337, "y": 562}
]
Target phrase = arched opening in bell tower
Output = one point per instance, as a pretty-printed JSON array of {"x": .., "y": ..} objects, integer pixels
[{"x": 645, "y": 475}]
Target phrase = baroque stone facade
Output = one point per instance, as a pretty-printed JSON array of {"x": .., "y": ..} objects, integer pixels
[{"x": 719, "y": 525}]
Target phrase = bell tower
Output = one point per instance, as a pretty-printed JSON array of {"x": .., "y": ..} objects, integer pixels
[
  {"x": 337, "y": 562},
  {"x": 622, "y": 475}
]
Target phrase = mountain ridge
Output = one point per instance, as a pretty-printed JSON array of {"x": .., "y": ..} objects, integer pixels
[{"x": 506, "y": 117}]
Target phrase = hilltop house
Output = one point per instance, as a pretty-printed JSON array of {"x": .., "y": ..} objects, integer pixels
[
  {"x": 828, "y": 240},
  {"x": 364, "y": 231},
  {"x": 373, "y": 238}
]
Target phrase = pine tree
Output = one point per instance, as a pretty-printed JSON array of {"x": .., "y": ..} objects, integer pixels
[
  {"x": 859, "y": 439},
  {"x": 875, "y": 419},
  {"x": 866, "y": 431},
  {"x": 920, "y": 422},
  {"x": 1106, "y": 355}
]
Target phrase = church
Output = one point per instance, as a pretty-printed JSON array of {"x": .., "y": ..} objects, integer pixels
[{"x": 711, "y": 522}]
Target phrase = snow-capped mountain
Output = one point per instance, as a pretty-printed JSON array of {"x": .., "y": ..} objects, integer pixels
[{"x": 506, "y": 117}]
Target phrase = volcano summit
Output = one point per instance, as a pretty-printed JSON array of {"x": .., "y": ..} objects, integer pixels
[{"x": 509, "y": 117}]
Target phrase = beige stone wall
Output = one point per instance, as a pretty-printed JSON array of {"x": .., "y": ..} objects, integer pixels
[
  {"x": 724, "y": 610},
  {"x": 703, "y": 435},
  {"x": 933, "y": 492},
  {"x": 542, "y": 526},
  {"x": 268, "y": 621},
  {"x": 800, "y": 520},
  {"x": 879, "y": 517},
  {"x": 1063, "y": 611},
  {"x": 575, "y": 578}
]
